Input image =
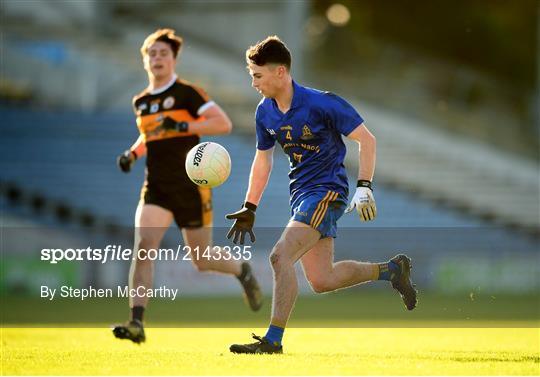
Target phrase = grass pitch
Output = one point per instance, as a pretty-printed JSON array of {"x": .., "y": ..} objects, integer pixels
[
  {"x": 339, "y": 334},
  {"x": 308, "y": 351}
]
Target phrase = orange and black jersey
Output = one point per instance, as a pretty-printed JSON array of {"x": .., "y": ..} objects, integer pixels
[{"x": 167, "y": 149}]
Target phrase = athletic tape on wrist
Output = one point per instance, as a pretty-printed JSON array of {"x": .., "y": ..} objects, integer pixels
[{"x": 364, "y": 183}]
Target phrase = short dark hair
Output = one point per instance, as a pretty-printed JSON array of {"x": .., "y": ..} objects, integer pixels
[
  {"x": 163, "y": 35},
  {"x": 272, "y": 50}
]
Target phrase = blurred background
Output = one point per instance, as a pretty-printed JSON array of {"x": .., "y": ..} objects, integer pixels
[{"x": 450, "y": 89}]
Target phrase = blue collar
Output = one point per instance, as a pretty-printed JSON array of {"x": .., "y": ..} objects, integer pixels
[
  {"x": 297, "y": 99},
  {"x": 297, "y": 95}
]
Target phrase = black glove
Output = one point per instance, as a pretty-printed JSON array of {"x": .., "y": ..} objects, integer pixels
[
  {"x": 169, "y": 123},
  {"x": 244, "y": 220},
  {"x": 126, "y": 160}
]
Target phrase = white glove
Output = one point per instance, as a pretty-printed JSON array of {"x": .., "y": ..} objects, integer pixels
[{"x": 364, "y": 202}]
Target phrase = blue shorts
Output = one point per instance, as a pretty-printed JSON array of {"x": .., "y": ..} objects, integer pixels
[{"x": 320, "y": 210}]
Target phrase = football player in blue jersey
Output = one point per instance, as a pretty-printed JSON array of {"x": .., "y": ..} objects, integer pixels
[{"x": 308, "y": 125}]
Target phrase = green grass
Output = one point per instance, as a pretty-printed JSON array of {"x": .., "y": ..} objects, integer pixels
[
  {"x": 359, "y": 351},
  {"x": 342, "y": 309},
  {"x": 353, "y": 333}
]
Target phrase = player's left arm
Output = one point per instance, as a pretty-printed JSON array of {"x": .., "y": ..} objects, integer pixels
[
  {"x": 367, "y": 145},
  {"x": 363, "y": 198},
  {"x": 215, "y": 122},
  {"x": 212, "y": 121}
]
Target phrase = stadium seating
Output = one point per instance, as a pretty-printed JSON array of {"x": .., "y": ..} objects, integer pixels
[{"x": 69, "y": 157}]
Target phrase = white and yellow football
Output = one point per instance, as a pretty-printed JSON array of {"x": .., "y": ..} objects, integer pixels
[{"x": 208, "y": 164}]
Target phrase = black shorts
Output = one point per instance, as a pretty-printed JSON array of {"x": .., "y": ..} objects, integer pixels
[{"x": 190, "y": 205}]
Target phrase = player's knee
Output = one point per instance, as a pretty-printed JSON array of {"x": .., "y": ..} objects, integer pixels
[
  {"x": 274, "y": 259},
  {"x": 146, "y": 251},
  {"x": 143, "y": 256},
  {"x": 279, "y": 260},
  {"x": 320, "y": 285}
]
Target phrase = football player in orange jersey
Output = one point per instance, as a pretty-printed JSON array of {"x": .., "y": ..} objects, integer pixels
[{"x": 172, "y": 114}]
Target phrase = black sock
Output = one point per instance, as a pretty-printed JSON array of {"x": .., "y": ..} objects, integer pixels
[
  {"x": 244, "y": 269},
  {"x": 137, "y": 312}
]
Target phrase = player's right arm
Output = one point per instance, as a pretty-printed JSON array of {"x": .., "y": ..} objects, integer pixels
[
  {"x": 258, "y": 179},
  {"x": 260, "y": 173},
  {"x": 126, "y": 160}
]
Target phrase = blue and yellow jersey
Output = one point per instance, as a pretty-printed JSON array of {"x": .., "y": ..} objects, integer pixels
[{"x": 310, "y": 134}]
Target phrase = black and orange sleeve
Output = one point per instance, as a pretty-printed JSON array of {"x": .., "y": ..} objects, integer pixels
[{"x": 196, "y": 98}]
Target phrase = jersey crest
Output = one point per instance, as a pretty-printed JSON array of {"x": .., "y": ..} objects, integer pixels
[{"x": 306, "y": 133}]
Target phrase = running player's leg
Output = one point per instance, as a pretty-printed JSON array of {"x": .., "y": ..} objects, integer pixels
[
  {"x": 296, "y": 239},
  {"x": 324, "y": 275},
  {"x": 218, "y": 260},
  {"x": 151, "y": 223}
]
